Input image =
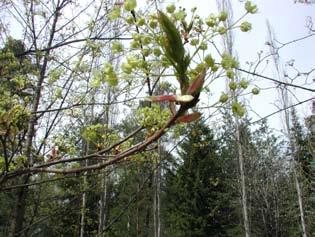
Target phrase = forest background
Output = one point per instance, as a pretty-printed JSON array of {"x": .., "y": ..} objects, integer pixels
[{"x": 126, "y": 118}]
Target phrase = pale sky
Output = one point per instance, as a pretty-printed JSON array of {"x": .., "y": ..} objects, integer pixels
[{"x": 288, "y": 20}]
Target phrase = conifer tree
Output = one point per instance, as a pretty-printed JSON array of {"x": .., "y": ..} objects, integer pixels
[{"x": 197, "y": 198}]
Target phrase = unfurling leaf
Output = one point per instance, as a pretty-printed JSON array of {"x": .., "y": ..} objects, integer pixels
[
  {"x": 172, "y": 108},
  {"x": 189, "y": 118},
  {"x": 173, "y": 44},
  {"x": 196, "y": 86},
  {"x": 184, "y": 98},
  {"x": 172, "y": 98},
  {"x": 161, "y": 98}
]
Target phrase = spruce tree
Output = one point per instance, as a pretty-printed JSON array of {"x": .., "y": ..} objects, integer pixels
[{"x": 197, "y": 201}]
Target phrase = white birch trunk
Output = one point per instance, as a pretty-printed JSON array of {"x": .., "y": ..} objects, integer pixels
[{"x": 243, "y": 182}]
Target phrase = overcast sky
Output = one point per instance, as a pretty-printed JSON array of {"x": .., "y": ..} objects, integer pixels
[{"x": 288, "y": 20}]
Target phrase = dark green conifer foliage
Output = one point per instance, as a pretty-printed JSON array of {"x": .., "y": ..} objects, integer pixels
[
  {"x": 301, "y": 149},
  {"x": 197, "y": 199}
]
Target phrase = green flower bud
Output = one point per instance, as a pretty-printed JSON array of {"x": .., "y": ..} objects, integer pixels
[
  {"x": 223, "y": 16},
  {"x": 170, "y": 8},
  {"x": 117, "y": 47},
  {"x": 165, "y": 62},
  {"x": 214, "y": 68},
  {"x": 130, "y": 5},
  {"x": 234, "y": 63},
  {"x": 146, "y": 40},
  {"x": 233, "y": 85},
  {"x": 126, "y": 68},
  {"x": 58, "y": 93},
  {"x": 224, "y": 98},
  {"x": 146, "y": 52},
  {"x": 203, "y": 46},
  {"x": 200, "y": 67},
  {"x": 140, "y": 21},
  {"x": 134, "y": 45},
  {"x": 255, "y": 91},
  {"x": 210, "y": 21},
  {"x": 153, "y": 24},
  {"x": 157, "y": 52},
  {"x": 112, "y": 79},
  {"x": 222, "y": 30},
  {"x": 136, "y": 36},
  {"x": 194, "y": 42},
  {"x": 238, "y": 109},
  {"x": 209, "y": 60},
  {"x": 250, "y": 8},
  {"x": 244, "y": 83},
  {"x": 180, "y": 15},
  {"x": 132, "y": 61},
  {"x": 114, "y": 14},
  {"x": 108, "y": 68},
  {"x": 230, "y": 73},
  {"x": 228, "y": 61},
  {"x": 246, "y": 26},
  {"x": 130, "y": 20}
]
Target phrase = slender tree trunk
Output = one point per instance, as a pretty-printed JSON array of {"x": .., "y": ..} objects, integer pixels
[
  {"x": 83, "y": 211},
  {"x": 83, "y": 203},
  {"x": 298, "y": 186},
  {"x": 103, "y": 200},
  {"x": 157, "y": 191},
  {"x": 285, "y": 100},
  {"x": 104, "y": 178},
  {"x": 242, "y": 176},
  {"x": 137, "y": 209},
  {"x": 19, "y": 211}
]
